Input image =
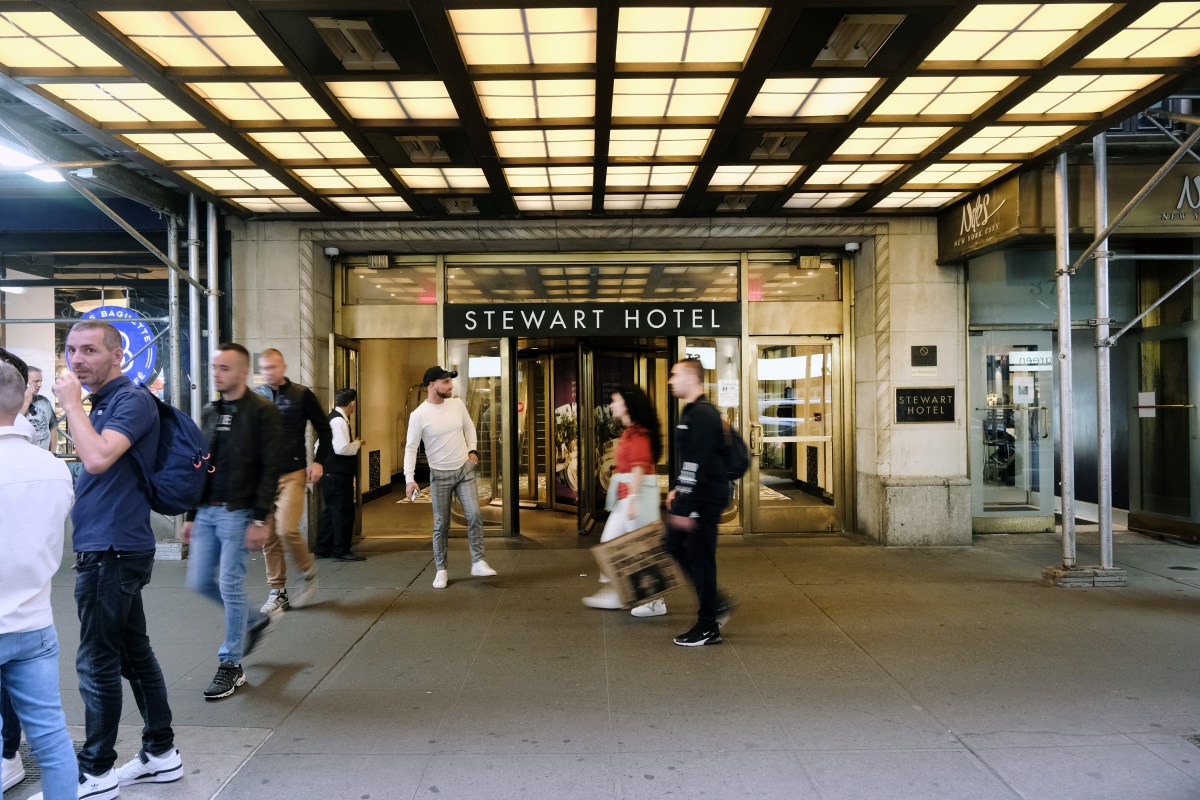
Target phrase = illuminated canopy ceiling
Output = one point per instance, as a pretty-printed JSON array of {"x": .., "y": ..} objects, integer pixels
[{"x": 445, "y": 108}]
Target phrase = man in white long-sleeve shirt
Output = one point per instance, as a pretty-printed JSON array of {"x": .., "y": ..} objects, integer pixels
[
  {"x": 337, "y": 484},
  {"x": 32, "y": 544},
  {"x": 445, "y": 427}
]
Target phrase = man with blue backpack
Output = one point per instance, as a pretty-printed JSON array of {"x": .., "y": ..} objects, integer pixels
[{"x": 114, "y": 555}]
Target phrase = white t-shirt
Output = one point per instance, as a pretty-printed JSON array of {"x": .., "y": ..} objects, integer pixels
[
  {"x": 35, "y": 497},
  {"x": 448, "y": 434}
]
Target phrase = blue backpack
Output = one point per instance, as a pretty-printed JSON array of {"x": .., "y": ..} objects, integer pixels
[{"x": 180, "y": 464}]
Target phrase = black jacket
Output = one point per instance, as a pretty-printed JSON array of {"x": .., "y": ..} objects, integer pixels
[
  {"x": 252, "y": 459},
  {"x": 298, "y": 406},
  {"x": 703, "y": 481}
]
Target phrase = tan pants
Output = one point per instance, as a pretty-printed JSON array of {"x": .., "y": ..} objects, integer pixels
[{"x": 289, "y": 506}]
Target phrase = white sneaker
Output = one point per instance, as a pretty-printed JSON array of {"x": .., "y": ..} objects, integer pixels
[
  {"x": 606, "y": 598},
  {"x": 99, "y": 787},
  {"x": 277, "y": 599},
  {"x": 307, "y": 588},
  {"x": 655, "y": 608},
  {"x": 480, "y": 569},
  {"x": 440, "y": 579},
  {"x": 145, "y": 768},
  {"x": 13, "y": 772}
]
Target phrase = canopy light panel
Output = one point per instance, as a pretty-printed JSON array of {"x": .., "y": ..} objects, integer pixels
[{"x": 775, "y": 105}]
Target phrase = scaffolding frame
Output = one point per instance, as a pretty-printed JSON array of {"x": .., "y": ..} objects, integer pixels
[
  {"x": 1098, "y": 250},
  {"x": 175, "y": 273}
]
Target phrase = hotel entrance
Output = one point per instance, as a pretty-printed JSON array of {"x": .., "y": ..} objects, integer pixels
[{"x": 565, "y": 432}]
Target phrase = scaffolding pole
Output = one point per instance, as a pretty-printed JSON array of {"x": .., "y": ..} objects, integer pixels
[
  {"x": 1104, "y": 500},
  {"x": 193, "y": 246},
  {"x": 210, "y": 252},
  {"x": 1063, "y": 281},
  {"x": 175, "y": 374}
]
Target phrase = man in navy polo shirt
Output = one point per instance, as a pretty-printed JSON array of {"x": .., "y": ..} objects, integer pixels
[{"x": 114, "y": 555}]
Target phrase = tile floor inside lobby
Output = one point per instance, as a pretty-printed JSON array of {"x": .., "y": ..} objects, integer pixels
[{"x": 849, "y": 671}]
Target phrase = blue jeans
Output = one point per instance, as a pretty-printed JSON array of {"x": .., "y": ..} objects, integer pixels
[
  {"x": 217, "y": 570},
  {"x": 29, "y": 675},
  {"x": 113, "y": 644},
  {"x": 444, "y": 484}
]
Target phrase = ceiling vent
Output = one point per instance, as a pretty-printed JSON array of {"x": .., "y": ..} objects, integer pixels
[
  {"x": 424, "y": 149},
  {"x": 857, "y": 38},
  {"x": 736, "y": 202},
  {"x": 459, "y": 205},
  {"x": 353, "y": 43},
  {"x": 778, "y": 145}
]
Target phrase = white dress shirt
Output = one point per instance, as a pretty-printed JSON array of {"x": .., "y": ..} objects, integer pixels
[{"x": 343, "y": 445}]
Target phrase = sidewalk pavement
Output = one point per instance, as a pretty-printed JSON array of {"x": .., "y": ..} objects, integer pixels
[{"x": 849, "y": 671}]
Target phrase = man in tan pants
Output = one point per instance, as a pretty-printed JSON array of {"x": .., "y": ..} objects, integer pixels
[{"x": 299, "y": 407}]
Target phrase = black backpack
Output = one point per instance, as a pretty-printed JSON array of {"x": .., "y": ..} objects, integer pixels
[
  {"x": 181, "y": 462},
  {"x": 737, "y": 454}
]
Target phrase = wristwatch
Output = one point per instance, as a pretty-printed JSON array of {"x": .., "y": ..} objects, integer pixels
[{"x": 473, "y": 452}]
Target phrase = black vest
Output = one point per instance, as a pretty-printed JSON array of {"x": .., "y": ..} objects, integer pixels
[{"x": 340, "y": 465}]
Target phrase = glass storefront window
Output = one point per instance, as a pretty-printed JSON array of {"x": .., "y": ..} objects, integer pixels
[
  {"x": 399, "y": 284},
  {"x": 811, "y": 278},
  {"x": 722, "y": 362},
  {"x": 708, "y": 282}
]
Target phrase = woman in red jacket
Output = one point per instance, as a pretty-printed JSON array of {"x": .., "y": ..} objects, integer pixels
[{"x": 633, "y": 500}]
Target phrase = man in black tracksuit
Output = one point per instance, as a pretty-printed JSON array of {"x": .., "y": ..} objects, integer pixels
[{"x": 696, "y": 500}]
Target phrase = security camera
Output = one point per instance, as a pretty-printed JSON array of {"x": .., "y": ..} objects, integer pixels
[
  {"x": 332, "y": 252},
  {"x": 853, "y": 247}
]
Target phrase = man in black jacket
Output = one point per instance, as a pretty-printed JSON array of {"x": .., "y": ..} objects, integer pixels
[
  {"x": 298, "y": 407},
  {"x": 242, "y": 429},
  {"x": 694, "y": 504}
]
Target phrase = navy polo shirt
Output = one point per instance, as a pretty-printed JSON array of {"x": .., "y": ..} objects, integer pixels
[{"x": 112, "y": 509}]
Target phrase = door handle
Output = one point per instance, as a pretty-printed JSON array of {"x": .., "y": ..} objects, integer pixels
[{"x": 756, "y": 439}]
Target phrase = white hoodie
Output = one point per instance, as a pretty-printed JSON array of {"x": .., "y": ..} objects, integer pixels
[{"x": 35, "y": 497}]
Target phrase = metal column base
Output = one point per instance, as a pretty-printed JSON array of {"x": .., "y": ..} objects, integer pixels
[{"x": 1084, "y": 576}]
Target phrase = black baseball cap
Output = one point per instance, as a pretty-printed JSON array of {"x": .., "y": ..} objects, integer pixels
[{"x": 436, "y": 374}]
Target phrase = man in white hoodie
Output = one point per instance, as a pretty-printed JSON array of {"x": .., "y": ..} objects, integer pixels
[{"x": 32, "y": 544}]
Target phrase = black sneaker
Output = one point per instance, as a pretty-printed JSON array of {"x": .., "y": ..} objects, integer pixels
[
  {"x": 229, "y": 676},
  {"x": 697, "y": 636},
  {"x": 349, "y": 557},
  {"x": 257, "y": 633}
]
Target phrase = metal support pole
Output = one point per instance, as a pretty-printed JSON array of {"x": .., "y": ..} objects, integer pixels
[
  {"x": 1103, "y": 359},
  {"x": 193, "y": 246},
  {"x": 210, "y": 252},
  {"x": 175, "y": 369},
  {"x": 1063, "y": 274}
]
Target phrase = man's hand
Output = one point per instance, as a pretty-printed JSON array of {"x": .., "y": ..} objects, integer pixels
[
  {"x": 256, "y": 536},
  {"x": 185, "y": 533},
  {"x": 670, "y": 499},
  {"x": 409, "y": 488},
  {"x": 473, "y": 457},
  {"x": 681, "y": 523},
  {"x": 69, "y": 392},
  {"x": 314, "y": 472}
]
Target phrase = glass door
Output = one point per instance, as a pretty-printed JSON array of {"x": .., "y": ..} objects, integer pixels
[
  {"x": 1011, "y": 441},
  {"x": 1165, "y": 497},
  {"x": 796, "y": 436}
]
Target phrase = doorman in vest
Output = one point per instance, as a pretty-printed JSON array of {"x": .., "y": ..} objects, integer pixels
[
  {"x": 298, "y": 408},
  {"x": 444, "y": 426},
  {"x": 337, "y": 523}
]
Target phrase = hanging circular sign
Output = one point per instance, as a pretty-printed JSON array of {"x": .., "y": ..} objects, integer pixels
[{"x": 140, "y": 351}]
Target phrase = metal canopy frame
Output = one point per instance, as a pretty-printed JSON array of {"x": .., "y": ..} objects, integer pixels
[
  {"x": 1098, "y": 250},
  {"x": 39, "y": 146}
]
